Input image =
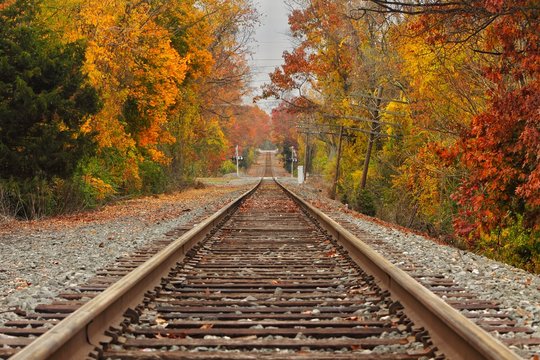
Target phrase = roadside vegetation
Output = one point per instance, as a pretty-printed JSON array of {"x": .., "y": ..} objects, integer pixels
[
  {"x": 437, "y": 104},
  {"x": 102, "y": 100}
]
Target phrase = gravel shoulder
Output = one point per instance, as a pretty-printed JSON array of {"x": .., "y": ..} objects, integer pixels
[
  {"x": 42, "y": 258},
  {"x": 517, "y": 291}
]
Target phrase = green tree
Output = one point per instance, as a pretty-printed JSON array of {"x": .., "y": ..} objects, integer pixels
[{"x": 43, "y": 98}]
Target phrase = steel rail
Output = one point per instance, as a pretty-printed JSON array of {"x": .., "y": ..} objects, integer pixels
[
  {"x": 83, "y": 330},
  {"x": 453, "y": 333}
]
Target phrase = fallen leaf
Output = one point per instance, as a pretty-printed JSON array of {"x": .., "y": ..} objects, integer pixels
[
  {"x": 22, "y": 284},
  {"x": 161, "y": 322}
]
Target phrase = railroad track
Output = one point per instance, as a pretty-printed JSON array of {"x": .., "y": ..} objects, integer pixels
[
  {"x": 266, "y": 277},
  {"x": 488, "y": 314}
]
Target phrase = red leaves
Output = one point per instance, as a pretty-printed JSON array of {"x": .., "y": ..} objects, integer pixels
[
  {"x": 284, "y": 129},
  {"x": 493, "y": 5},
  {"x": 21, "y": 284},
  {"x": 502, "y": 149},
  {"x": 501, "y": 154},
  {"x": 250, "y": 127},
  {"x": 463, "y": 228},
  {"x": 331, "y": 253},
  {"x": 149, "y": 209}
]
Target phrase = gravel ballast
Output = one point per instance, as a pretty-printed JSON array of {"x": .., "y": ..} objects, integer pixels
[
  {"x": 43, "y": 258},
  {"x": 517, "y": 291}
]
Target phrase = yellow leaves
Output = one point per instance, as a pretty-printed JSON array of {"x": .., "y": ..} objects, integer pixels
[
  {"x": 138, "y": 56},
  {"x": 342, "y": 42},
  {"x": 398, "y": 113},
  {"x": 21, "y": 284},
  {"x": 422, "y": 177},
  {"x": 101, "y": 189},
  {"x": 131, "y": 176},
  {"x": 158, "y": 156},
  {"x": 214, "y": 135},
  {"x": 128, "y": 56},
  {"x": 109, "y": 131},
  {"x": 161, "y": 322},
  {"x": 444, "y": 81}
]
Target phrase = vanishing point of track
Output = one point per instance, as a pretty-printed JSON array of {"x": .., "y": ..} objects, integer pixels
[{"x": 268, "y": 277}]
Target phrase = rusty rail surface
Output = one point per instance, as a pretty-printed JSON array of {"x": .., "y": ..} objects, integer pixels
[{"x": 261, "y": 275}]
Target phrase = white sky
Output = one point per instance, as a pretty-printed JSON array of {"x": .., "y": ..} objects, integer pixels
[{"x": 272, "y": 40}]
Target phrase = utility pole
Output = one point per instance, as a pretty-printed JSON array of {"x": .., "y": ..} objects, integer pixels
[
  {"x": 336, "y": 175},
  {"x": 375, "y": 128},
  {"x": 293, "y": 160},
  {"x": 236, "y": 157},
  {"x": 306, "y": 156}
]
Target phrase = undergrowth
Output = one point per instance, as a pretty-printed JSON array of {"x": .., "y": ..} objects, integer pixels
[{"x": 513, "y": 244}]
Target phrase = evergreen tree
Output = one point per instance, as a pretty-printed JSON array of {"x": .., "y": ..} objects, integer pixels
[{"x": 43, "y": 98}]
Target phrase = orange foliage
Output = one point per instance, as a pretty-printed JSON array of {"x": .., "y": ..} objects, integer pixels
[
  {"x": 284, "y": 126},
  {"x": 163, "y": 71},
  {"x": 137, "y": 63},
  {"x": 249, "y": 127}
]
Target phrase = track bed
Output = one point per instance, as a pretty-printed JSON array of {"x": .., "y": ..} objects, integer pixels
[
  {"x": 262, "y": 278},
  {"x": 270, "y": 283}
]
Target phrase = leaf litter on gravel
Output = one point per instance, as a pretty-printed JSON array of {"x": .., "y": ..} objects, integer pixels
[{"x": 151, "y": 209}]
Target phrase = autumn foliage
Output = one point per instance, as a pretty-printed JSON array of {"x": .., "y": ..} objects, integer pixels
[
  {"x": 107, "y": 98},
  {"x": 502, "y": 147},
  {"x": 457, "y": 123},
  {"x": 431, "y": 107}
]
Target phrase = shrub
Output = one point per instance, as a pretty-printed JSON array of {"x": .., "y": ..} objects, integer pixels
[
  {"x": 364, "y": 202},
  {"x": 36, "y": 198},
  {"x": 153, "y": 177},
  {"x": 94, "y": 181},
  {"x": 227, "y": 167},
  {"x": 513, "y": 244}
]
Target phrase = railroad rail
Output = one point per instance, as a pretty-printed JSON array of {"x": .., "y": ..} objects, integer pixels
[{"x": 268, "y": 276}]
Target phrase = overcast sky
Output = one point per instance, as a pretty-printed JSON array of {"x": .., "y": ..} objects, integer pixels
[{"x": 272, "y": 40}]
